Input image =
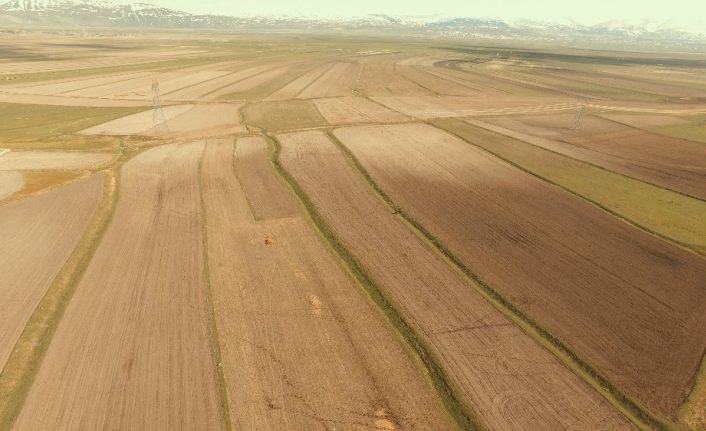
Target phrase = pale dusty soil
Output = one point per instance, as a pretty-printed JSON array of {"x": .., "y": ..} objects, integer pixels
[
  {"x": 132, "y": 349},
  {"x": 509, "y": 380},
  {"x": 58, "y": 87},
  {"x": 303, "y": 347},
  {"x": 141, "y": 87},
  {"x": 337, "y": 81},
  {"x": 292, "y": 89},
  {"x": 435, "y": 83},
  {"x": 38, "y": 235},
  {"x": 31, "y": 99},
  {"x": 206, "y": 90},
  {"x": 426, "y": 107},
  {"x": 42, "y": 160},
  {"x": 135, "y": 124},
  {"x": 385, "y": 80},
  {"x": 672, "y": 163},
  {"x": 350, "y": 110},
  {"x": 10, "y": 182},
  {"x": 646, "y": 121},
  {"x": 624, "y": 301},
  {"x": 272, "y": 72},
  {"x": 217, "y": 117},
  {"x": 267, "y": 196}
]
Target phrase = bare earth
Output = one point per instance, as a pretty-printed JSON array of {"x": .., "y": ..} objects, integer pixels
[
  {"x": 579, "y": 272},
  {"x": 502, "y": 374},
  {"x": 41, "y": 231},
  {"x": 672, "y": 163},
  {"x": 303, "y": 347},
  {"x": 10, "y": 182},
  {"x": 52, "y": 160},
  {"x": 132, "y": 350}
]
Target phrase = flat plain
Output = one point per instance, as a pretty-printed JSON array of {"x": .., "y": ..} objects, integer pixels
[{"x": 350, "y": 233}]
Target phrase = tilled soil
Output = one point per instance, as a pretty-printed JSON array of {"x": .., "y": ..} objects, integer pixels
[{"x": 626, "y": 302}]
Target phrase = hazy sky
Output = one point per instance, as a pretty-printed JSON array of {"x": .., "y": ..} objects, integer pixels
[{"x": 689, "y": 14}]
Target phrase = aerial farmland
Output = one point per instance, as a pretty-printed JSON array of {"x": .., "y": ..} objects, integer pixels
[{"x": 214, "y": 231}]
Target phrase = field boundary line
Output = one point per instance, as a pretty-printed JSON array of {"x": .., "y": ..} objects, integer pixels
[
  {"x": 328, "y": 69},
  {"x": 639, "y": 415},
  {"x": 692, "y": 248},
  {"x": 475, "y": 120},
  {"x": 22, "y": 366},
  {"x": 461, "y": 414},
  {"x": 215, "y": 340}
]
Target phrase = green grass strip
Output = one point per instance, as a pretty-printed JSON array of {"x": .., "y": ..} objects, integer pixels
[{"x": 464, "y": 417}]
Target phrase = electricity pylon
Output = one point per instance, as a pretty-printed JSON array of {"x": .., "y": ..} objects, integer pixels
[
  {"x": 157, "y": 110},
  {"x": 581, "y": 109}
]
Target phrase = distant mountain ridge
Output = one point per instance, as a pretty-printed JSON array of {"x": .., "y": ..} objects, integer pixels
[{"x": 104, "y": 13}]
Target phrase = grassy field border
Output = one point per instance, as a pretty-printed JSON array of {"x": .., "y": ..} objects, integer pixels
[
  {"x": 22, "y": 366},
  {"x": 693, "y": 248},
  {"x": 214, "y": 338},
  {"x": 638, "y": 414},
  {"x": 463, "y": 415}
]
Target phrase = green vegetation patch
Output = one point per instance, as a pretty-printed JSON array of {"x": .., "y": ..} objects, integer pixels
[
  {"x": 665, "y": 213},
  {"x": 26, "y": 125},
  {"x": 291, "y": 114}
]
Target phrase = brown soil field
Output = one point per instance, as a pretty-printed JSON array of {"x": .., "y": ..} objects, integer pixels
[
  {"x": 435, "y": 83},
  {"x": 623, "y": 300},
  {"x": 45, "y": 160},
  {"x": 426, "y": 107},
  {"x": 302, "y": 347},
  {"x": 265, "y": 193},
  {"x": 184, "y": 120},
  {"x": 291, "y": 90},
  {"x": 350, "y": 110},
  {"x": 210, "y": 90},
  {"x": 283, "y": 115},
  {"x": 37, "y": 235},
  {"x": 385, "y": 80},
  {"x": 337, "y": 81},
  {"x": 220, "y": 118},
  {"x": 31, "y": 99},
  {"x": 673, "y": 163},
  {"x": 57, "y": 87},
  {"x": 508, "y": 380},
  {"x": 135, "y": 124},
  {"x": 10, "y": 182},
  {"x": 645, "y": 121},
  {"x": 264, "y": 75},
  {"x": 132, "y": 349}
]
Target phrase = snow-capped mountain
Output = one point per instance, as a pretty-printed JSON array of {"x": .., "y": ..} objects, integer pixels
[{"x": 105, "y": 13}]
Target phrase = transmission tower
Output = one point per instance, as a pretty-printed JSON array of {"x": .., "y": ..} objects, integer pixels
[
  {"x": 581, "y": 108},
  {"x": 157, "y": 110}
]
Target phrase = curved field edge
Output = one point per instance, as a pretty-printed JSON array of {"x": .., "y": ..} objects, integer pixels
[
  {"x": 212, "y": 325},
  {"x": 455, "y": 127},
  {"x": 29, "y": 351},
  {"x": 461, "y": 414},
  {"x": 638, "y": 414}
]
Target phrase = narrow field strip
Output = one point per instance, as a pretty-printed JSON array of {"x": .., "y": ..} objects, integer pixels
[
  {"x": 302, "y": 346},
  {"x": 463, "y": 340},
  {"x": 502, "y": 235},
  {"x": 23, "y": 350},
  {"x": 135, "y": 336},
  {"x": 670, "y": 163},
  {"x": 462, "y": 414},
  {"x": 672, "y": 216}
]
